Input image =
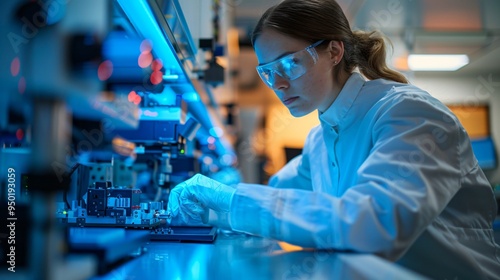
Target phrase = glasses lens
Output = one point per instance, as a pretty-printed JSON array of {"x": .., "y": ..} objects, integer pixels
[
  {"x": 294, "y": 65},
  {"x": 266, "y": 75},
  {"x": 289, "y": 67}
]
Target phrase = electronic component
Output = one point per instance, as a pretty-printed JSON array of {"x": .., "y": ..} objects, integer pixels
[
  {"x": 112, "y": 207},
  {"x": 183, "y": 234}
]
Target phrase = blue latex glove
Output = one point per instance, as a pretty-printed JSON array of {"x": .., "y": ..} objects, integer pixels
[{"x": 192, "y": 199}]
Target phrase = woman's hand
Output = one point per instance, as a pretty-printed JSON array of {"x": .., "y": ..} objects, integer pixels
[{"x": 191, "y": 199}]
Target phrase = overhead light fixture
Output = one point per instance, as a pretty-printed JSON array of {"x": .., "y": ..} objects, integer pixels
[{"x": 437, "y": 62}]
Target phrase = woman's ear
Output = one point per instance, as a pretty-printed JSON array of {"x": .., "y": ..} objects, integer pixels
[{"x": 336, "y": 51}]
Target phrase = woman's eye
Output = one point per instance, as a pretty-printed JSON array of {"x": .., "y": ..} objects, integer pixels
[{"x": 289, "y": 63}]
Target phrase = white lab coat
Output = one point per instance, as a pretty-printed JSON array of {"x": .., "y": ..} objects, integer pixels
[{"x": 389, "y": 171}]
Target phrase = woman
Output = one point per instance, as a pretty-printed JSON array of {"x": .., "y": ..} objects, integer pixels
[{"x": 389, "y": 170}]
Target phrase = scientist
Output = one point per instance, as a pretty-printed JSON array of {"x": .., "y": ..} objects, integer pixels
[{"x": 389, "y": 171}]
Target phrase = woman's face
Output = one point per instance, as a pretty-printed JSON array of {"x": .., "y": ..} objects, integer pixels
[{"x": 313, "y": 90}]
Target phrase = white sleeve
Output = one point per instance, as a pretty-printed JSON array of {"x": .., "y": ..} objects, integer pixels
[{"x": 412, "y": 172}]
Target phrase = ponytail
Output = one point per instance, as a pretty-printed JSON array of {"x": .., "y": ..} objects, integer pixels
[{"x": 367, "y": 51}]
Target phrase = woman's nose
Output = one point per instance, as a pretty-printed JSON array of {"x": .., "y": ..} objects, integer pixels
[{"x": 279, "y": 83}]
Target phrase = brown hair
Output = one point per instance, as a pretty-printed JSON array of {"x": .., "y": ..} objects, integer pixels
[{"x": 314, "y": 20}]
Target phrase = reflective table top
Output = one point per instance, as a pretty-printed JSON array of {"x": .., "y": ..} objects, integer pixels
[{"x": 240, "y": 256}]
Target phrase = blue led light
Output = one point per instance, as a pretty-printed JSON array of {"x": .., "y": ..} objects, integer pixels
[
  {"x": 216, "y": 132},
  {"x": 142, "y": 19},
  {"x": 191, "y": 96}
]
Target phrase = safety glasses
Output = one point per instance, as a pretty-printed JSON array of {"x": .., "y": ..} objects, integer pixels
[{"x": 291, "y": 66}]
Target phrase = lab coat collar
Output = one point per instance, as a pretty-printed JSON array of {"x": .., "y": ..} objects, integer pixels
[{"x": 336, "y": 113}]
